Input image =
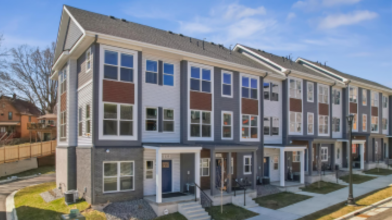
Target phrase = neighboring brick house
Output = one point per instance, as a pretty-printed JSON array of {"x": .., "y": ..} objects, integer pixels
[
  {"x": 15, "y": 114},
  {"x": 145, "y": 112}
]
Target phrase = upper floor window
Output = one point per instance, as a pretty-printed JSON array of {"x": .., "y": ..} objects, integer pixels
[
  {"x": 88, "y": 60},
  {"x": 355, "y": 122},
  {"x": 385, "y": 124},
  {"x": 249, "y": 127},
  {"x": 266, "y": 91},
  {"x": 323, "y": 124},
  {"x": 63, "y": 124},
  {"x": 200, "y": 79},
  {"x": 275, "y": 126},
  {"x": 336, "y": 124},
  {"x": 353, "y": 94},
  {"x": 310, "y": 91},
  {"x": 29, "y": 118},
  {"x": 63, "y": 81},
  {"x": 249, "y": 87},
  {"x": 227, "y": 130},
  {"x": 364, "y": 97},
  {"x": 151, "y": 71},
  {"x": 200, "y": 124},
  {"x": 168, "y": 74},
  {"x": 151, "y": 119},
  {"x": 310, "y": 123},
  {"x": 323, "y": 94},
  {"x": 295, "y": 122},
  {"x": 374, "y": 121},
  {"x": 9, "y": 115},
  {"x": 227, "y": 84},
  {"x": 205, "y": 167},
  {"x": 384, "y": 102},
  {"x": 375, "y": 99},
  {"x": 168, "y": 120},
  {"x": 88, "y": 120},
  {"x": 336, "y": 97},
  {"x": 295, "y": 88},
  {"x": 118, "y": 66},
  {"x": 267, "y": 125},
  {"x": 275, "y": 92},
  {"x": 80, "y": 122},
  {"x": 324, "y": 154},
  {"x": 118, "y": 119},
  {"x": 364, "y": 122}
]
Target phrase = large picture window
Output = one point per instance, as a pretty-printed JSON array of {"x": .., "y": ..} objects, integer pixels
[
  {"x": 323, "y": 124},
  {"x": 227, "y": 84},
  {"x": 168, "y": 74},
  {"x": 249, "y": 127},
  {"x": 118, "y": 66},
  {"x": 151, "y": 71},
  {"x": 227, "y": 128},
  {"x": 118, "y": 176},
  {"x": 204, "y": 167},
  {"x": 200, "y": 79},
  {"x": 295, "y": 88},
  {"x": 118, "y": 120},
  {"x": 200, "y": 124},
  {"x": 295, "y": 122},
  {"x": 249, "y": 87}
]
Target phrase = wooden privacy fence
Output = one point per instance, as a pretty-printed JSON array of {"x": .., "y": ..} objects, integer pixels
[{"x": 25, "y": 151}]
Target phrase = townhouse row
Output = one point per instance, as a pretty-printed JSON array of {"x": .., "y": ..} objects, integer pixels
[{"x": 146, "y": 112}]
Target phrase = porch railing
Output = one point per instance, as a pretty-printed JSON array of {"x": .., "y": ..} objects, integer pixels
[
  {"x": 205, "y": 200},
  {"x": 243, "y": 186}
]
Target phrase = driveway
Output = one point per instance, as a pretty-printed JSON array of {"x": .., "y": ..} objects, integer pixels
[{"x": 8, "y": 188}]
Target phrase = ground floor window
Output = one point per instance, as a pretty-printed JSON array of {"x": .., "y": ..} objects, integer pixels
[
  {"x": 247, "y": 165},
  {"x": 118, "y": 176},
  {"x": 324, "y": 154},
  {"x": 276, "y": 163},
  {"x": 296, "y": 156},
  {"x": 204, "y": 167},
  {"x": 149, "y": 169}
]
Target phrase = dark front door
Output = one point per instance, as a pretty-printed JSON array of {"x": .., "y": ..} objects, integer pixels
[
  {"x": 166, "y": 176},
  {"x": 266, "y": 166}
]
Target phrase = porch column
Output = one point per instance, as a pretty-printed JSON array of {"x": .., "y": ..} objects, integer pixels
[
  {"x": 197, "y": 173},
  {"x": 310, "y": 158},
  {"x": 302, "y": 173},
  {"x": 254, "y": 174},
  {"x": 362, "y": 155},
  {"x": 212, "y": 171},
  {"x": 229, "y": 172},
  {"x": 281, "y": 166},
  {"x": 158, "y": 176}
]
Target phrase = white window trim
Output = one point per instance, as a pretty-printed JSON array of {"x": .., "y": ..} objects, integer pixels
[
  {"x": 135, "y": 104},
  {"x": 173, "y": 120},
  {"x": 272, "y": 122},
  {"x": 328, "y": 127},
  {"x": 119, "y": 52},
  {"x": 145, "y": 119},
  {"x": 118, "y": 176},
  {"x": 334, "y": 91},
  {"x": 145, "y": 170},
  {"x": 231, "y": 85},
  {"x": 295, "y": 117},
  {"x": 63, "y": 114},
  {"x": 201, "y": 66},
  {"x": 382, "y": 102},
  {"x": 364, "y": 123},
  {"x": 80, "y": 121},
  {"x": 273, "y": 163},
  {"x": 231, "y": 126},
  {"x": 258, "y": 113},
  {"x": 145, "y": 71},
  {"x": 382, "y": 124},
  {"x": 371, "y": 124},
  {"x": 250, "y": 86},
  {"x": 163, "y": 74},
  {"x": 302, "y": 88},
  {"x": 118, "y": 136},
  {"x": 372, "y": 98},
  {"x": 318, "y": 93},
  {"x": 88, "y": 59},
  {"x": 250, "y": 126},
  {"x": 356, "y": 89},
  {"x": 364, "y": 90},
  {"x": 326, "y": 153},
  {"x": 250, "y": 164},
  {"x": 201, "y": 167},
  {"x": 307, "y": 124},
  {"x": 333, "y": 128},
  {"x": 87, "y": 119},
  {"x": 307, "y": 91},
  {"x": 296, "y": 156},
  {"x": 201, "y": 124}
]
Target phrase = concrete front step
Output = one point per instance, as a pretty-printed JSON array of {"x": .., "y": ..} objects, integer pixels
[
  {"x": 239, "y": 201},
  {"x": 193, "y": 211}
]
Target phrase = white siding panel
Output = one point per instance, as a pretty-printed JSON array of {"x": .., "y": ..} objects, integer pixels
[
  {"x": 337, "y": 113},
  {"x": 338, "y": 154},
  {"x": 85, "y": 98},
  {"x": 272, "y": 153},
  {"x": 149, "y": 184},
  {"x": 274, "y": 109},
  {"x": 385, "y": 114},
  {"x": 154, "y": 95}
]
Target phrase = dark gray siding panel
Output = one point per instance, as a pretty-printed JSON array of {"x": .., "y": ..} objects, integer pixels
[
  {"x": 285, "y": 110},
  {"x": 310, "y": 107},
  {"x": 187, "y": 165},
  {"x": 184, "y": 101},
  {"x": 84, "y": 173},
  {"x": 83, "y": 76},
  {"x": 71, "y": 167},
  {"x": 344, "y": 112},
  {"x": 73, "y": 35},
  {"x": 380, "y": 113},
  {"x": 390, "y": 120}
]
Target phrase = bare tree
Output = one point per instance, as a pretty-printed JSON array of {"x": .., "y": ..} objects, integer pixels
[{"x": 27, "y": 74}]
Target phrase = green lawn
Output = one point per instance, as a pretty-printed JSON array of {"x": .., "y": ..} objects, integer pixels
[
  {"x": 229, "y": 212},
  {"x": 280, "y": 200},
  {"x": 383, "y": 172},
  {"x": 41, "y": 170},
  {"x": 325, "y": 187},
  {"x": 172, "y": 216},
  {"x": 357, "y": 178},
  {"x": 30, "y": 205}
]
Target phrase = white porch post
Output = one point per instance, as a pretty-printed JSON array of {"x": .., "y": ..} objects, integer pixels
[
  {"x": 158, "y": 176},
  {"x": 362, "y": 155},
  {"x": 281, "y": 166},
  {"x": 197, "y": 173},
  {"x": 302, "y": 172}
]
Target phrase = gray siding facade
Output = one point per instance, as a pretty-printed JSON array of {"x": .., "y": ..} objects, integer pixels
[{"x": 309, "y": 107}]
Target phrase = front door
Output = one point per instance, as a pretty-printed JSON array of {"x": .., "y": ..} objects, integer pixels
[
  {"x": 220, "y": 172},
  {"x": 266, "y": 166},
  {"x": 166, "y": 176}
]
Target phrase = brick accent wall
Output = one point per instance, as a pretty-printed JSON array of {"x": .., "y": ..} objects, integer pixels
[
  {"x": 250, "y": 106},
  {"x": 374, "y": 111},
  {"x": 295, "y": 105},
  {"x": 118, "y": 92},
  {"x": 353, "y": 107},
  {"x": 323, "y": 109},
  {"x": 63, "y": 100},
  {"x": 200, "y": 101}
]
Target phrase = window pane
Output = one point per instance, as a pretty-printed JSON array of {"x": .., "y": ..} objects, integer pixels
[
  {"x": 195, "y": 130},
  {"x": 253, "y": 93},
  {"x": 310, "y": 128},
  {"x": 152, "y": 66},
  {"x": 310, "y": 119},
  {"x": 109, "y": 127},
  {"x": 206, "y": 131},
  {"x": 168, "y": 68},
  {"x": 87, "y": 111},
  {"x": 88, "y": 126},
  {"x": 126, "y": 128},
  {"x": 226, "y": 119},
  {"x": 126, "y": 183},
  {"x": 206, "y": 75},
  {"x": 110, "y": 72},
  {"x": 110, "y": 169},
  {"x": 195, "y": 72},
  {"x": 226, "y": 78},
  {"x": 151, "y": 77},
  {"x": 126, "y": 60},
  {"x": 168, "y": 80},
  {"x": 195, "y": 84},
  {"x": 299, "y": 125},
  {"x": 168, "y": 126},
  {"x": 110, "y": 184},
  {"x": 245, "y": 120},
  {"x": 126, "y": 168},
  {"x": 206, "y": 118},
  {"x": 126, "y": 74},
  {"x": 226, "y": 131},
  {"x": 226, "y": 89},
  {"x": 126, "y": 112},
  {"x": 245, "y": 92},
  {"x": 253, "y": 83},
  {"x": 151, "y": 113},
  {"x": 245, "y": 132},
  {"x": 150, "y": 165},
  {"x": 253, "y": 121},
  {"x": 247, "y": 169},
  {"x": 111, "y": 57},
  {"x": 195, "y": 117},
  {"x": 245, "y": 81},
  {"x": 206, "y": 86},
  {"x": 168, "y": 114},
  {"x": 299, "y": 117},
  {"x": 253, "y": 132},
  {"x": 110, "y": 111},
  {"x": 151, "y": 125}
]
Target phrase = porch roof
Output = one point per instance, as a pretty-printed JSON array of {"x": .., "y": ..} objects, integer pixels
[
  {"x": 231, "y": 148},
  {"x": 10, "y": 123},
  {"x": 354, "y": 141},
  {"x": 178, "y": 148},
  {"x": 287, "y": 147}
]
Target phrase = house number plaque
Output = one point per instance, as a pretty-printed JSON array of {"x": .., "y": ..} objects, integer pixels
[{"x": 165, "y": 165}]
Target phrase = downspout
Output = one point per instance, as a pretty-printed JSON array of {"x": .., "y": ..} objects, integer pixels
[
  {"x": 92, "y": 148},
  {"x": 288, "y": 73}
]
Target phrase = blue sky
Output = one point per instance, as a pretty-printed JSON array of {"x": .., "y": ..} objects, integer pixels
[{"x": 354, "y": 36}]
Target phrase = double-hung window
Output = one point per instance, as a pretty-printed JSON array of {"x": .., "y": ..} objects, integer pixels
[
  {"x": 310, "y": 91},
  {"x": 63, "y": 124},
  {"x": 276, "y": 163},
  {"x": 200, "y": 124},
  {"x": 364, "y": 122},
  {"x": 275, "y": 126},
  {"x": 88, "y": 120},
  {"x": 227, "y": 84},
  {"x": 384, "y": 101},
  {"x": 205, "y": 167},
  {"x": 295, "y": 89},
  {"x": 63, "y": 81},
  {"x": 355, "y": 122},
  {"x": 151, "y": 119},
  {"x": 374, "y": 123},
  {"x": 353, "y": 94},
  {"x": 267, "y": 126},
  {"x": 336, "y": 124},
  {"x": 266, "y": 91},
  {"x": 9, "y": 115},
  {"x": 249, "y": 87},
  {"x": 227, "y": 127},
  {"x": 385, "y": 124},
  {"x": 275, "y": 92},
  {"x": 118, "y": 176},
  {"x": 336, "y": 97},
  {"x": 149, "y": 169},
  {"x": 151, "y": 71},
  {"x": 375, "y": 99},
  {"x": 118, "y": 120},
  {"x": 364, "y": 97},
  {"x": 310, "y": 123},
  {"x": 324, "y": 154},
  {"x": 118, "y": 66},
  {"x": 323, "y": 94},
  {"x": 296, "y": 156},
  {"x": 295, "y": 122},
  {"x": 168, "y": 74},
  {"x": 200, "y": 79},
  {"x": 249, "y": 127},
  {"x": 88, "y": 59},
  {"x": 168, "y": 120},
  {"x": 323, "y": 124},
  {"x": 247, "y": 164},
  {"x": 80, "y": 132}
]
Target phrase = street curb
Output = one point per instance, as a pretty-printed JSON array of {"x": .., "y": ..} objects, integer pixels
[
  {"x": 22, "y": 178},
  {"x": 10, "y": 207},
  {"x": 359, "y": 211}
]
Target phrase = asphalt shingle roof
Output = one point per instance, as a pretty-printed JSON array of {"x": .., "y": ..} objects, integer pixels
[{"x": 99, "y": 23}]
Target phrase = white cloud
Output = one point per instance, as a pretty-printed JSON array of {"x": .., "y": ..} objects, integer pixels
[
  {"x": 194, "y": 27},
  {"x": 333, "y": 21},
  {"x": 291, "y": 16},
  {"x": 313, "y": 5},
  {"x": 235, "y": 11},
  {"x": 329, "y": 3}
]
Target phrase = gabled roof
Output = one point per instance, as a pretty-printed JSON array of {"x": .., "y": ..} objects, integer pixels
[
  {"x": 23, "y": 106},
  {"x": 103, "y": 24},
  {"x": 343, "y": 75}
]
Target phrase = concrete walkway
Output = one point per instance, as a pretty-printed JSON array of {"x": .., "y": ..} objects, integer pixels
[{"x": 8, "y": 188}]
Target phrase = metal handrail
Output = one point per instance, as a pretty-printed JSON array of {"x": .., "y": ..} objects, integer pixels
[
  {"x": 242, "y": 187},
  {"x": 209, "y": 201}
]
